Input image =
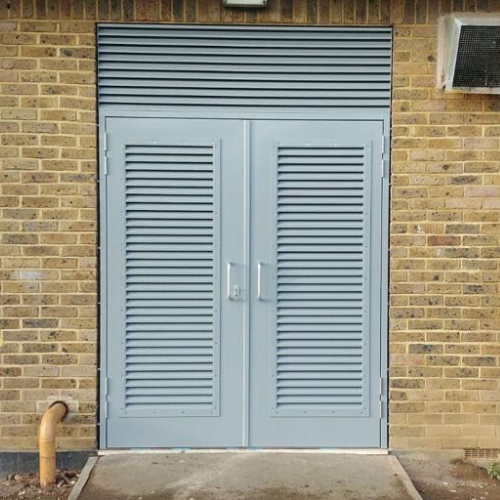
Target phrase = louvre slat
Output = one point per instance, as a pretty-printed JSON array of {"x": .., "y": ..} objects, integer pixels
[
  {"x": 155, "y": 335},
  {"x": 176, "y": 278},
  {"x": 171, "y": 256},
  {"x": 182, "y": 352},
  {"x": 335, "y": 310},
  {"x": 176, "y": 66},
  {"x": 346, "y": 165},
  {"x": 328, "y": 376},
  {"x": 198, "y": 31},
  {"x": 343, "y": 183},
  {"x": 245, "y": 102},
  {"x": 171, "y": 359},
  {"x": 169, "y": 383},
  {"x": 157, "y": 159},
  {"x": 191, "y": 322},
  {"x": 170, "y": 190},
  {"x": 170, "y": 392},
  {"x": 130, "y": 84},
  {"x": 135, "y": 374},
  {"x": 168, "y": 247},
  {"x": 141, "y": 235},
  {"x": 330, "y": 229},
  {"x": 298, "y": 321},
  {"x": 207, "y": 62},
  {"x": 241, "y": 69},
  {"x": 195, "y": 44},
  {"x": 310, "y": 392},
  {"x": 146, "y": 172},
  {"x": 251, "y": 78},
  {"x": 311, "y": 384},
  {"x": 341, "y": 331},
  {"x": 322, "y": 352},
  {"x": 234, "y": 93},
  {"x": 169, "y": 305},
  {"x": 318, "y": 344},
  {"x": 139, "y": 267},
  {"x": 232, "y": 54},
  {"x": 168, "y": 400},
  {"x": 319, "y": 368},
  {"x": 334, "y": 207},
  {"x": 147, "y": 274},
  {"x": 194, "y": 312},
  {"x": 137, "y": 330},
  {"x": 174, "y": 344},
  {"x": 183, "y": 226},
  {"x": 181, "y": 368},
  {"x": 288, "y": 276}
]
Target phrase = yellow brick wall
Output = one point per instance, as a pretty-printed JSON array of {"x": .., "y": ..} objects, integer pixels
[{"x": 445, "y": 210}]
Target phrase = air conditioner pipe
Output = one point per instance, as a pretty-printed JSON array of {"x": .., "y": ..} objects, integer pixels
[{"x": 47, "y": 442}]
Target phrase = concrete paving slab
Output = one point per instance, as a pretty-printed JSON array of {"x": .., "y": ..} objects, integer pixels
[{"x": 246, "y": 476}]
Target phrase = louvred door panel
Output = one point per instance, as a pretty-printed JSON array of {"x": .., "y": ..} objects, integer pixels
[
  {"x": 316, "y": 317},
  {"x": 322, "y": 270},
  {"x": 170, "y": 221}
]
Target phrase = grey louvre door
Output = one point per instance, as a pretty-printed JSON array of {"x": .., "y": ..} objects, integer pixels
[
  {"x": 174, "y": 352},
  {"x": 316, "y": 275}
]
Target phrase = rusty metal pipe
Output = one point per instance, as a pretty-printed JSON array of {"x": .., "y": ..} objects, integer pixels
[{"x": 47, "y": 442}]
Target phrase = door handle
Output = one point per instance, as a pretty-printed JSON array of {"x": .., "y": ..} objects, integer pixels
[
  {"x": 228, "y": 277},
  {"x": 259, "y": 280}
]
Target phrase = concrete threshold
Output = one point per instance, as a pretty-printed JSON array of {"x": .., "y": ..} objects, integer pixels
[{"x": 230, "y": 475}]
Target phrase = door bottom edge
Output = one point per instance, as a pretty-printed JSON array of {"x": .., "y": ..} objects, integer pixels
[{"x": 339, "y": 451}]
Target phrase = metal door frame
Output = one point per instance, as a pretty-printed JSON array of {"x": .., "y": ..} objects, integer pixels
[{"x": 347, "y": 114}]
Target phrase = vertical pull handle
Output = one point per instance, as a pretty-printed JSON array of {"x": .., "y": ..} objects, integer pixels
[
  {"x": 228, "y": 277},
  {"x": 259, "y": 280}
]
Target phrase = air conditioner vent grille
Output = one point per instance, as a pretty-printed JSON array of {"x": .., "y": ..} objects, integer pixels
[
  {"x": 478, "y": 57},
  {"x": 482, "y": 453}
]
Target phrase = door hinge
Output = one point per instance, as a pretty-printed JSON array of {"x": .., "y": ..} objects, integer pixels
[
  {"x": 106, "y": 391},
  {"x": 105, "y": 151},
  {"x": 381, "y": 397}
]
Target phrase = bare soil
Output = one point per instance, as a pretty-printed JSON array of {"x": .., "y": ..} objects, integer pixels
[
  {"x": 450, "y": 479},
  {"x": 27, "y": 487}
]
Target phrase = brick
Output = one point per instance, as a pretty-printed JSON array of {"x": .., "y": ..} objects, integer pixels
[{"x": 18, "y": 114}]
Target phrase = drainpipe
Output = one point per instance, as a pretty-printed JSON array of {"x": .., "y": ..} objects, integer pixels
[{"x": 47, "y": 442}]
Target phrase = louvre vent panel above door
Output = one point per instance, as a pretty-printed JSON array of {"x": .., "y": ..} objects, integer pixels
[
  {"x": 321, "y": 276},
  {"x": 170, "y": 238},
  {"x": 238, "y": 67}
]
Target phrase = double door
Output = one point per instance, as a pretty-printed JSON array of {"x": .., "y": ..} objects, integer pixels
[{"x": 242, "y": 269}]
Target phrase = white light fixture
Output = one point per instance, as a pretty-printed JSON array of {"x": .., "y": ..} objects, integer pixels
[{"x": 244, "y": 3}]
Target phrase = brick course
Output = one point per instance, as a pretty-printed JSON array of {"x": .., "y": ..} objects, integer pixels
[{"x": 445, "y": 218}]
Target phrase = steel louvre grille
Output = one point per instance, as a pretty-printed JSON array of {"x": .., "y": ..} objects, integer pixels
[
  {"x": 321, "y": 276},
  {"x": 169, "y": 280},
  {"x": 241, "y": 66},
  {"x": 478, "y": 57}
]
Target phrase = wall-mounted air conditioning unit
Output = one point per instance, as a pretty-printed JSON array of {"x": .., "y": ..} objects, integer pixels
[{"x": 469, "y": 53}]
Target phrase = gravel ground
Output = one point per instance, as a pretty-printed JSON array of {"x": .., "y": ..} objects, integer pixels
[
  {"x": 27, "y": 487},
  {"x": 445, "y": 479}
]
